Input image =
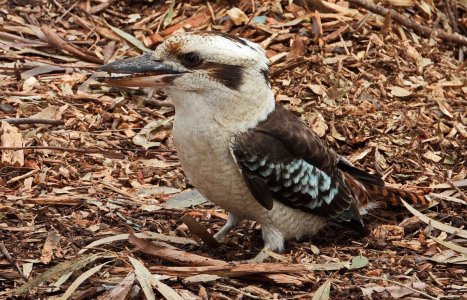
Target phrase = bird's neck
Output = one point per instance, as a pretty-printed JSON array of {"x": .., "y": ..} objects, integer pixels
[{"x": 234, "y": 111}]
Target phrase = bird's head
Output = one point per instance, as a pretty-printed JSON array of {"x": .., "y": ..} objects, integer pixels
[{"x": 204, "y": 66}]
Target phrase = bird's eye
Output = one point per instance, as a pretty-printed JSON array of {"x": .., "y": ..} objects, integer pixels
[{"x": 191, "y": 59}]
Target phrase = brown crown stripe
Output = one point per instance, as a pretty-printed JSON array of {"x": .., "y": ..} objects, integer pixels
[{"x": 175, "y": 48}]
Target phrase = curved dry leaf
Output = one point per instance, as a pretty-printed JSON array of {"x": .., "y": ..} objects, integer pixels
[
  {"x": 144, "y": 137},
  {"x": 399, "y": 92},
  {"x": 357, "y": 262},
  {"x": 459, "y": 183},
  {"x": 143, "y": 235},
  {"x": 237, "y": 16},
  {"x": 448, "y": 198},
  {"x": 144, "y": 277},
  {"x": 121, "y": 291},
  {"x": 434, "y": 223},
  {"x": 322, "y": 293},
  {"x": 450, "y": 245},
  {"x": 187, "y": 198},
  {"x": 81, "y": 278},
  {"x": 129, "y": 38},
  {"x": 58, "y": 270}
]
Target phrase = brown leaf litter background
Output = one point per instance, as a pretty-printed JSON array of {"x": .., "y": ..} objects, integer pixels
[{"x": 92, "y": 195}]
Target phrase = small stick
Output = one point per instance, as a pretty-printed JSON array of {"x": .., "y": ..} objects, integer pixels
[
  {"x": 55, "y": 40},
  {"x": 171, "y": 254},
  {"x": 5, "y": 252},
  {"x": 403, "y": 20},
  {"x": 452, "y": 18},
  {"x": 20, "y": 121},
  {"x": 463, "y": 196},
  {"x": 75, "y": 150},
  {"x": 398, "y": 283},
  {"x": 100, "y": 7},
  {"x": 109, "y": 152}
]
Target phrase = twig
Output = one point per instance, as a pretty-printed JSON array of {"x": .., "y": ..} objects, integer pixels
[
  {"x": 398, "y": 283},
  {"x": 20, "y": 121},
  {"x": 158, "y": 103},
  {"x": 420, "y": 29},
  {"x": 55, "y": 40},
  {"x": 66, "y": 12},
  {"x": 451, "y": 16},
  {"x": 5, "y": 252},
  {"x": 105, "y": 151},
  {"x": 457, "y": 189},
  {"x": 171, "y": 254},
  {"x": 100, "y": 7},
  {"x": 276, "y": 72}
]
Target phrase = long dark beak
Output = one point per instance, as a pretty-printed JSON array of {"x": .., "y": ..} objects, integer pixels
[{"x": 141, "y": 71}]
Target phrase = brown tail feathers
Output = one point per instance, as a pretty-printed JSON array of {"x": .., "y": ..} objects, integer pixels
[
  {"x": 392, "y": 196},
  {"x": 368, "y": 188}
]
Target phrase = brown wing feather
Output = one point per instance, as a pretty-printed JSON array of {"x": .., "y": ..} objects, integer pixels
[{"x": 283, "y": 156}]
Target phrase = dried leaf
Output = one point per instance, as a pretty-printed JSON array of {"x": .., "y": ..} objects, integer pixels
[
  {"x": 322, "y": 293},
  {"x": 29, "y": 84},
  {"x": 450, "y": 245},
  {"x": 11, "y": 137},
  {"x": 121, "y": 291},
  {"x": 170, "y": 14},
  {"x": 432, "y": 156},
  {"x": 147, "y": 280},
  {"x": 358, "y": 262},
  {"x": 336, "y": 134},
  {"x": 129, "y": 38},
  {"x": 201, "y": 278},
  {"x": 58, "y": 270},
  {"x": 144, "y": 235},
  {"x": 50, "y": 245},
  {"x": 145, "y": 136},
  {"x": 200, "y": 231},
  {"x": 144, "y": 278},
  {"x": 434, "y": 223},
  {"x": 187, "y": 198},
  {"x": 399, "y": 92},
  {"x": 81, "y": 278},
  {"x": 317, "y": 123},
  {"x": 237, "y": 16}
]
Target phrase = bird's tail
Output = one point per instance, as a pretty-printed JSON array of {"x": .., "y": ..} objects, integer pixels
[
  {"x": 375, "y": 192},
  {"x": 392, "y": 196}
]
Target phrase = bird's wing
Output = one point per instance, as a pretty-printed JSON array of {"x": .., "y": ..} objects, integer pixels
[{"x": 283, "y": 159}]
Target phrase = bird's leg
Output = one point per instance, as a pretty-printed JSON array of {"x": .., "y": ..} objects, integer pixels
[
  {"x": 232, "y": 221},
  {"x": 273, "y": 241}
]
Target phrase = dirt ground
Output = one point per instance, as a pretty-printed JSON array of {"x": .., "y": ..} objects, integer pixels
[{"x": 92, "y": 196}]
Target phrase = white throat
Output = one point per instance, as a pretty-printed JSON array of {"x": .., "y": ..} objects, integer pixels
[{"x": 235, "y": 111}]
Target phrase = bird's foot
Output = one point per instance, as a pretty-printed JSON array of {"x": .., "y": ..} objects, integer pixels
[
  {"x": 232, "y": 221},
  {"x": 260, "y": 257},
  {"x": 220, "y": 236}
]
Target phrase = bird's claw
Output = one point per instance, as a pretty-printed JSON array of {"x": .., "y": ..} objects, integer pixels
[{"x": 259, "y": 258}]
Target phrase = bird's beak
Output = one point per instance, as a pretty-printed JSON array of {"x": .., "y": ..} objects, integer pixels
[{"x": 141, "y": 71}]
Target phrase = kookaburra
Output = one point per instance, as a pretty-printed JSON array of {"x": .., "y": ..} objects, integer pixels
[{"x": 242, "y": 150}]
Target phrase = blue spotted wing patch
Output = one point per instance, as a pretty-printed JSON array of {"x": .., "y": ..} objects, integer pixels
[{"x": 296, "y": 181}]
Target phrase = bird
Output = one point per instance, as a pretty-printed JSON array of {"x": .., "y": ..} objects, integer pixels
[{"x": 243, "y": 151}]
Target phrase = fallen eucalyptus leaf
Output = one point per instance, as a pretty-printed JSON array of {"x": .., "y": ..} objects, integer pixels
[{"x": 322, "y": 293}]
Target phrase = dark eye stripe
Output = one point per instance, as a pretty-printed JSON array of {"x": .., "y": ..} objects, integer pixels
[{"x": 229, "y": 75}]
